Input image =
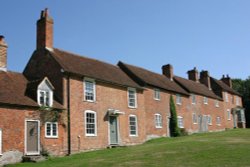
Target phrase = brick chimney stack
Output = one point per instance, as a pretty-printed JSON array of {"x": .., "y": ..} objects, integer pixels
[
  {"x": 193, "y": 75},
  {"x": 168, "y": 71},
  {"x": 3, "y": 54},
  {"x": 205, "y": 79},
  {"x": 44, "y": 37},
  {"x": 227, "y": 80}
]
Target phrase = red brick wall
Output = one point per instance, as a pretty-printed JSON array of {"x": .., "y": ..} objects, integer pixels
[
  {"x": 13, "y": 130},
  {"x": 229, "y": 123},
  {"x": 106, "y": 97},
  {"x": 186, "y": 110},
  {"x": 153, "y": 107}
]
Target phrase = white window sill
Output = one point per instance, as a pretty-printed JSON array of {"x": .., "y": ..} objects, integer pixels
[
  {"x": 51, "y": 137},
  {"x": 158, "y": 127},
  {"x": 90, "y": 135},
  {"x": 178, "y": 103},
  {"x": 133, "y": 135},
  {"x": 90, "y": 101},
  {"x": 157, "y": 99},
  {"x": 195, "y": 123},
  {"x": 132, "y": 107}
]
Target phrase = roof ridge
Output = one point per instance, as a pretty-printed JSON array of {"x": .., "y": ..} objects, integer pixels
[
  {"x": 144, "y": 69},
  {"x": 83, "y": 56}
]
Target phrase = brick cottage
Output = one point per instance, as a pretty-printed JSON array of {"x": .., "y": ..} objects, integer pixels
[{"x": 64, "y": 103}]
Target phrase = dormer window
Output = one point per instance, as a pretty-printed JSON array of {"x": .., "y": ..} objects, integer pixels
[
  {"x": 44, "y": 98},
  {"x": 45, "y": 93}
]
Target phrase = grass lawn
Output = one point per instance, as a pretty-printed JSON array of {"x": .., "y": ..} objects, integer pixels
[{"x": 220, "y": 149}]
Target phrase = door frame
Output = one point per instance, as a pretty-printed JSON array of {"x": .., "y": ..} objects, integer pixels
[
  {"x": 117, "y": 127},
  {"x": 25, "y": 137}
]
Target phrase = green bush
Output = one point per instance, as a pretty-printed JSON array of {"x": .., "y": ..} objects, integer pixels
[{"x": 174, "y": 129}]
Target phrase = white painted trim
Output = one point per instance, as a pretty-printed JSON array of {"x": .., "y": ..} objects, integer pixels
[
  {"x": 1, "y": 141},
  {"x": 157, "y": 114},
  {"x": 134, "y": 90},
  {"x": 180, "y": 117},
  {"x": 157, "y": 90},
  {"x": 228, "y": 112},
  {"x": 193, "y": 102},
  {"x": 51, "y": 130},
  {"x": 211, "y": 121},
  {"x": 193, "y": 118},
  {"x": 25, "y": 137},
  {"x": 50, "y": 97},
  {"x": 226, "y": 97},
  {"x": 205, "y": 100},
  {"x": 136, "y": 125},
  {"x": 217, "y": 103},
  {"x": 219, "y": 124},
  {"x": 179, "y": 102},
  {"x": 94, "y": 89},
  {"x": 85, "y": 122}
]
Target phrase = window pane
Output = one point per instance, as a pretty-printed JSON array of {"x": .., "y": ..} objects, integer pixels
[
  {"x": 132, "y": 98},
  {"x": 132, "y": 125},
  {"x": 90, "y": 123},
  {"x": 89, "y": 90},
  {"x": 48, "y": 130},
  {"x": 54, "y": 129}
]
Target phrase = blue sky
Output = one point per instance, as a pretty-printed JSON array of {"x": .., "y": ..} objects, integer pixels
[{"x": 208, "y": 34}]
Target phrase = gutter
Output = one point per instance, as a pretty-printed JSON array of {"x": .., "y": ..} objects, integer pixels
[{"x": 68, "y": 115}]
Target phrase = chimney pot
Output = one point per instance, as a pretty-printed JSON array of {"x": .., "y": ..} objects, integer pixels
[
  {"x": 193, "y": 75},
  {"x": 168, "y": 71},
  {"x": 205, "y": 78},
  {"x": 227, "y": 80}
]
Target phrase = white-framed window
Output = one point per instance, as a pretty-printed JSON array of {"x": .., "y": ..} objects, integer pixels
[
  {"x": 157, "y": 95},
  {"x": 228, "y": 114},
  {"x": 133, "y": 125},
  {"x": 194, "y": 118},
  {"x": 132, "y": 98},
  {"x": 158, "y": 121},
  {"x": 178, "y": 99},
  {"x": 216, "y": 102},
  {"x": 218, "y": 121},
  {"x": 89, "y": 90},
  {"x": 1, "y": 141},
  {"x": 90, "y": 123},
  {"x": 180, "y": 122},
  {"x": 51, "y": 130},
  {"x": 209, "y": 120},
  {"x": 193, "y": 97},
  {"x": 45, "y": 93},
  {"x": 45, "y": 98},
  {"x": 226, "y": 97},
  {"x": 237, "y": 101},
  {"x": 205, "y": 100}
]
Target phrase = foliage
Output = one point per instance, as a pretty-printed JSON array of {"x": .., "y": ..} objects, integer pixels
[
  {"x": 50, "y": 115},
  {"x": 243, "y": 87},
  {"x": 174, "y": 129},
  {"x": 229, "y": 148}
]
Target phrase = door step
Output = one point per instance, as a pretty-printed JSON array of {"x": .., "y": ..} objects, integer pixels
[{"x": 33, "y": 158}]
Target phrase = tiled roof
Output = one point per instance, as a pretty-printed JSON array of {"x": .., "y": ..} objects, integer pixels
[
  {"x": 151, "y": 78},
  {"x": 14, "y": 90},
  {"x": 196, "y": 87},
  {"x": 224, "y": 86},
  {"x": 92, "y": 68}
]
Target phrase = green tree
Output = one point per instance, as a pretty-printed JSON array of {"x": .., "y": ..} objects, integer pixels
[
  {"x": 174, "y": 129},
  {"x": 243, "y": 87}
]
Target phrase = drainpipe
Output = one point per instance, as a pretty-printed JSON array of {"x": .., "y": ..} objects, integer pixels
[{"x": 68, "y": 114}]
